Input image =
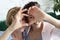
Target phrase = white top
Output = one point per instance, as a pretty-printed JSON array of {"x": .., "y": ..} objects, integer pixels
[{"x": 49, "y": 32}]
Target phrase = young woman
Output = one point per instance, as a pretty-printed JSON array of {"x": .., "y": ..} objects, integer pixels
[
  {"x": 15, "y": 23},
  {"x": 33, "y": 28},
  {"x": 38, "y": 14}
]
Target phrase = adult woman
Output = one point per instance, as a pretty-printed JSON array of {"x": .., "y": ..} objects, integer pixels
[
  {"x": 36, "y": 28},
  {"x": 38, "y": 14},
  {"x": 13, "y": 21},
  {"x": 49, "y": 29}
]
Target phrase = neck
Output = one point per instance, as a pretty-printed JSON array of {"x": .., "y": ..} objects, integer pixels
[
  {"x": 38, "y": 26},
  {"x": 35, "y": 27}
]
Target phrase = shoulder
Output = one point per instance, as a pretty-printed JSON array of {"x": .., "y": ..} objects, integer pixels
[{"x": 48, "y": 27}]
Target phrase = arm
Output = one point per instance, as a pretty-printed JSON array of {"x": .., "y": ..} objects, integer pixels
[
  {"x": 50, "y": 19},
  {"x": 40, "y": 14},
  {"x": 17, "y": 23},
  {"x": 53, "y": 21},
  {"x": 8, "y": 32}
]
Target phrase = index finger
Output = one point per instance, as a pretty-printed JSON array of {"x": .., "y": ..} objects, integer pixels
[
  {"x": 25, "y": 15},
  {"x": 24, "y": 10}
]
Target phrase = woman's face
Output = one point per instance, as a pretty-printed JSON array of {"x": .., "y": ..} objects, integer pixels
[{"x": 31, "y": 18}]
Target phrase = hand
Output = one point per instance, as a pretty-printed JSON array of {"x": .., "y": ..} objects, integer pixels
[
  {"x": 17, "y": 20},
  {"x": 37, "y": 13}
]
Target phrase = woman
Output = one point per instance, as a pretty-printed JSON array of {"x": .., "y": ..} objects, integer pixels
[
  {"x": 38, "y": 14},
  {"x": 36, "y": 26},
  {"x": 13, "y": 21}
]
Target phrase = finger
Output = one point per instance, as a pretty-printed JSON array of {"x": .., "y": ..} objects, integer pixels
[
  {"x": 33, "y": 6},
  {"x": 25, "y": 15},
  {"x": 25, "y": 24},
  {"x": 21, "y": 8},
  {"x": 29, "y": 10},
  {"x": 41, "y": 26},
  {"x": 19, "y": 12},
  {"x": 24, "y": 10}
]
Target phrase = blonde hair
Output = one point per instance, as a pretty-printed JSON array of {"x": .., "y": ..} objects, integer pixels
[{"x": 11, "y": 12}]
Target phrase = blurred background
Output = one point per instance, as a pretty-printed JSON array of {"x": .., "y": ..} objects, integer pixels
[{"x": 51, "y": 7}]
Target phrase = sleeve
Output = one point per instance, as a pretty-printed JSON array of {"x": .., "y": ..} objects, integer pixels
[
  {"x": 56, "y": 32},
  {"x": 48, "y": 27},
  {"x": 52, "y": 29},
  {"x": 1, "y": 32},
  {"x": 50, "y": 32},
  {"x": 47, "y": 30}
]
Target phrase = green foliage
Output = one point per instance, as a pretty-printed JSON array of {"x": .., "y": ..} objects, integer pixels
[
  {"x": 56, "y": 5},
  {"x": 57, "y": 1},
  {"x": 58, "y": 17},
  {"x": 2, "y": 26},
  {"x": 54, "y": 15}
]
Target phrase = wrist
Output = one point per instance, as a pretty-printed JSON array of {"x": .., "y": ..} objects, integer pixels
[
  {"x": 47, "y": 18},
  {"x": 11, "y": 29},
  {"x": 43, "y": 15},
  {"x": 12, "y": 26}
]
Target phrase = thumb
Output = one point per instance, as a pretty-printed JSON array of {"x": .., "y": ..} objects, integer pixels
[
  {"x": 41, "y": 26},
  {"x": 25, "y": 24}
]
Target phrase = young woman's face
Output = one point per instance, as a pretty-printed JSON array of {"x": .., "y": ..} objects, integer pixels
[{"x": 31, "y": 18}]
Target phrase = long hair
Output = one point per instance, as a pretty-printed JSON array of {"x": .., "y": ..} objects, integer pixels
[{"x": 12, "y": 12}]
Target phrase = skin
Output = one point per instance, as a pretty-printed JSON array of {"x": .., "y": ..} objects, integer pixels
[
  {"x": 38, "y": 14},
  {"x": 17, "y": 23}
]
